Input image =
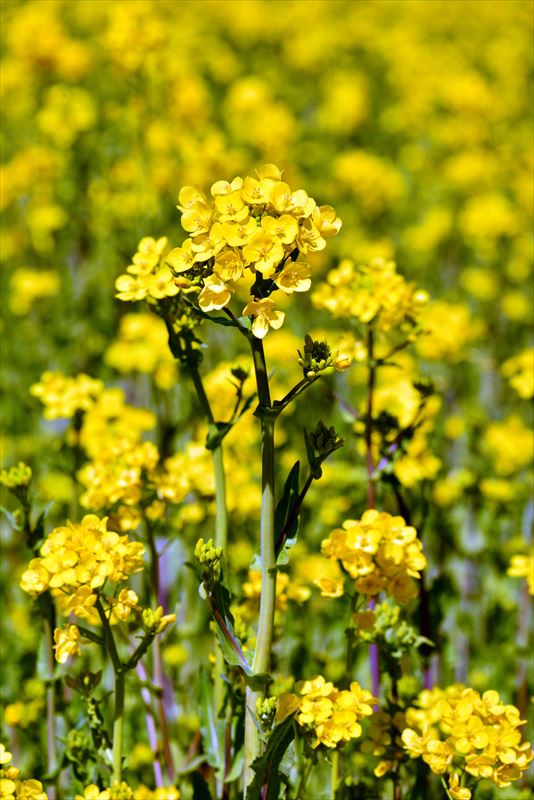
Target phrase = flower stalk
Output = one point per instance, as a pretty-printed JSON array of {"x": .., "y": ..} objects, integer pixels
[{"x": 262, "y": 653}]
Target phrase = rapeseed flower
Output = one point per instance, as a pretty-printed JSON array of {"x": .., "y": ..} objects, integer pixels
[
  {"x": 379, "y": 552},
  {"x": 332, "y": 715}
]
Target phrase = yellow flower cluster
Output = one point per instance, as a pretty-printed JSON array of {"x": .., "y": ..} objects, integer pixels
[
  {"x": 522, "y": 566},
  {"x": 11, "y": 787},
  {"x": 509, "y": 445},
  {"x": 480, "y": 734},
  {"x": 29, "y": 285},
  {"x": 256, "y": 226},
  {"x": 142, "y": 345},
  {"x": 62, "y": 397},
  {"x": 148, "y": 276},
  {"x": 375, "y": 295},
  {"x": 379, "y": 552},
  {"x": 519, "y": 371},
  {"x": 80, "y": 558},
  {"x": 123, "y": 792},
  {"x": 111, "y": 436},
  {"x": 333, "y": 715},
  {"x": 449, "y": 331}
]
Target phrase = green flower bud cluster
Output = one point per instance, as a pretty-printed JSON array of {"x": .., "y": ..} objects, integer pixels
[
  {"x": 265, "y": 711},
  {"x": 121, "y": 791},
  {"x": 320, "y": 444},
  {"x": 208, "y": 557},
  {"x": 156, "y": 621},
  {"x": 317, "y": 358},
  {"x": 16, "y": 477}
]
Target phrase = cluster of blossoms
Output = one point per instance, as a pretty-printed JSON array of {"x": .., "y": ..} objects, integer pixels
[
  {"x": 11, "y": 786},
  {"x": 519, "y": 371},
  {"x": 75, "y": 562},
  {"x": 62, "y": 397},
  {"x": 148, "y": 276},
  {"x": 457, "y": 728},
  {"x": 333, "y": 715},
  {"x": 379, "y": 552},
  {"x": 121, "y": 791},
  {"x": 375, "y": 294},
  {"x": 142, "y": 345},
  {"x": 29, "y": 285},
  {"x": 522, "y": 566},
  {"x": 508, "y": 443},
  {"x": 111, "y": 434},
  {"x": 449, "y": 331},
  {"x": 253, "y": 227}
]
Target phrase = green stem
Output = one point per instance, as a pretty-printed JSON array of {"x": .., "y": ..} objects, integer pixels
[
  {"x": 119, "y": 672},
  {"x": 118, "y": 726},
  {"x": 159, "y": 678},
  {"x": 334, "y": 774},
  {"x": 446, "y": 788},
  {"x": 50, "y": 700},
  {"x": 303, "y": 780},
  {"x": 221, "y": 521},
  {"x": 262, "y": 654}
]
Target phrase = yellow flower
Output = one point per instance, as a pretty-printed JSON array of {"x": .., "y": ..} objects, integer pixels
[
  {"x": 66, "y": 642},
  {"x": 207, "y": 245},
  {"x": 123, "y": 605},
  {"x": 296, "y": 203},
  {"x": 228, "y": 265},
  {"x": 63, "y": 397},
  {"x": 264, "y": 252},
  {"x": 379, "y": 552},
  {"x": 332, "y": 714},
  {"x": 29, "y": 285},
  {"x": 181, "y": 259},
  {"x": 330, "y": 587},
  {"x": 522, "y": 566},
  {"x": 92, "y": 792},
  {"x": 519, "y": 370},
  {"x": 284, "y": 227},
  {"x": 238, "y": 234},
  {"x": 295, "y": 277},
  {"x": 215, "y": 295},
  {"x": 84, "y": 554},
  {"x": 263, "y": 315}
]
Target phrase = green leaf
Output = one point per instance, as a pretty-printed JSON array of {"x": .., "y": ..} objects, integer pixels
[
  {"x": 220, "y": 599},
  {"x": 237, "y": 767},
  {"x": 211, "y": 728},
  {"x": 268, "y": 778},
  {"x": 283, "y": 514},
  {"x": 11, "y": 518}
]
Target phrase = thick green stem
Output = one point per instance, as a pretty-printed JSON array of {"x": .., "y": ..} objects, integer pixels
[
  {"x": 334, "y": 774},
  {"x": 118, "y": 726},
  {"x": 303, "y": 780},
  {"x": 221, "y": 514},
  {"x": 119, "y": 672},
  {"x": 262, "y": 653},
  {"x": 221, "y": 521},
  {"x": 50, "y": 702}
]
